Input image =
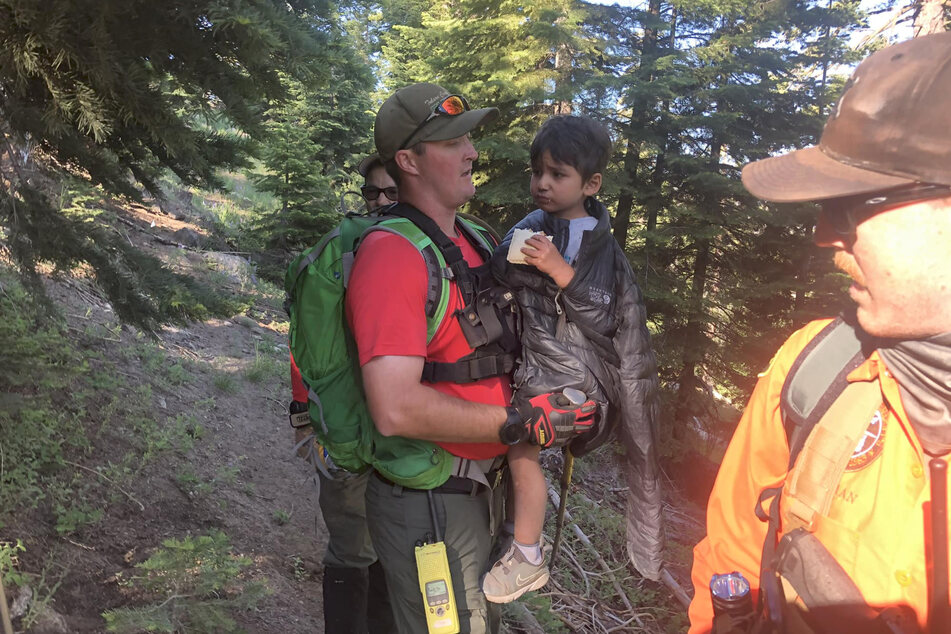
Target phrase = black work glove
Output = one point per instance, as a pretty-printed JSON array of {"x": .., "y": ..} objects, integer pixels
[{"x": 552, "y": 419}]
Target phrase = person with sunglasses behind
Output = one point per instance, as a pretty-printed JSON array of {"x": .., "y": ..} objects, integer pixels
[
  {"x": 356, "y": 600},
  {"x": 436, "y": 374},
  {"x": 378, "y": 189},
  {"x": 829, "y": 513}
]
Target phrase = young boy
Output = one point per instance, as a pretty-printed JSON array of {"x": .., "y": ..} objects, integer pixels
[{"x": 583, "y": 328}]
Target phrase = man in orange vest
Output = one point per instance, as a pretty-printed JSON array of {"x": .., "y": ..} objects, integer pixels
[{"x": 862, "y": 558}]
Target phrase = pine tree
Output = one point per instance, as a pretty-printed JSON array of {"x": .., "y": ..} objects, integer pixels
[
  {"x": 527, "y": 60},
  {"x": 119, "y": 91}
]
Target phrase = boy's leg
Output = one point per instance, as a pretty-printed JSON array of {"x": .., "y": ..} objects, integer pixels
[
  {"x": 522, "y": 567},
  {"x": 398, "y": 518},
  {"x": 530, "y": 491}
]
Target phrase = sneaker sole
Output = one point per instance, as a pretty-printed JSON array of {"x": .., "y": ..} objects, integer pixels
[{"x": 508, "y": 598}]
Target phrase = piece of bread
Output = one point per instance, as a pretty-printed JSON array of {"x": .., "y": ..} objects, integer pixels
[{"x": 519, "y": 236}]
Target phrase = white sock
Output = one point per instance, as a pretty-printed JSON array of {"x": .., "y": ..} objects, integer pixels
[{"x": 531, "y": 552}]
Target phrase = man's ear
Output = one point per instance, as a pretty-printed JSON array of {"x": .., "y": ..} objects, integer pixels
[
  {"x": 593, "y": 186},
  {"x": 406, "y": 161}
]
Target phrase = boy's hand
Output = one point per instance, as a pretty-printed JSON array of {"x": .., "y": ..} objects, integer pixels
[
  {"x": 552, "y": 420},
  {"x": 541, "y": 253}
]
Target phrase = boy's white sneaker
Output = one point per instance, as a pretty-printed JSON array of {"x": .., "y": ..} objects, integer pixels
[{"x": 512, "y": 576}]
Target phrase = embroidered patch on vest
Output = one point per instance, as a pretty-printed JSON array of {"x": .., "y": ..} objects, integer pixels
[
  {"x": 598, "y": 295},
  {"x": 871, "y": 443}
]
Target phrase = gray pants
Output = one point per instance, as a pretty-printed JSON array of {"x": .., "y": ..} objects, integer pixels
[{"x": 401, "y": 517}]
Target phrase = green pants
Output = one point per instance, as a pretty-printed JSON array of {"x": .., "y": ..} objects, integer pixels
[
  {"x": 356, "y": 599},
  {"x": 343, "y": 505},
  {"x": 399, "y": 518}
]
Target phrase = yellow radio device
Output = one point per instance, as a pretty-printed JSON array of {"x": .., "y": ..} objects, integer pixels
[{"x": 435, "y": 583}]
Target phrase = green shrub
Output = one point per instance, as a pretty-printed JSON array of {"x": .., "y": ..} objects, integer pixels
[{"x": 194, "y": 585}]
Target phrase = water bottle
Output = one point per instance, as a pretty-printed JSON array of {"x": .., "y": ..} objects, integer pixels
[{"x": 732, "y": 602}]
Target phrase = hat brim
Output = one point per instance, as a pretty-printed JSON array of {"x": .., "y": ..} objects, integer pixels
[
  {"x": 443, "y": 128},
  {"x": 369, "y": 162},
  {"x": 811, "y": 175}
]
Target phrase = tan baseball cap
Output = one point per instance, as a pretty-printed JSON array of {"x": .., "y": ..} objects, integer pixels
[
  {"x": 398, "y": 121},
  {"x": 891, "y": 127},
  {"x": 368, "y": 163}
]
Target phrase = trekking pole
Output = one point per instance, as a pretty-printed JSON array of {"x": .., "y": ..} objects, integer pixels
[
  {"x": 4, "y": 610},
  {"x": 566, "y": 472},
  {"x": 938, "y": 611}
]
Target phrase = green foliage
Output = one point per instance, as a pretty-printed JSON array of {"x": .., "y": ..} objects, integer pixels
[
  {"x": 145, "y": 87},
  {"x": 224, "y": 382},
  {"x": 297, "y": 565},
  {"x": 195, "y": 584},
  {"x": 37, "y": 426},
  {"x": 281, "y": 517},
  {"x": 142, "y": 289},
  {"x": 267, "y": 364},
  {"x": 690, "y": 92},
  {"x": 540, "y": 605},
  {"x": 148, "y": 85},
  {"x": 9, "y": 563},
  {"x": 74, "y": 516},
  {"x": 315, "y": 140}
]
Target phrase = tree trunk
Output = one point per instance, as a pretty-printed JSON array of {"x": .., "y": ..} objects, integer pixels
[
  {"x": 625, "y": 203},
  {"x": 695, "y": 343},
  {"x": 563, "y": 71},
  {"x": 930, "y": 17}
]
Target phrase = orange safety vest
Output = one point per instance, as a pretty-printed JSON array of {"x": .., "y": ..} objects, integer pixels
[{"x": 874, "y": 523}]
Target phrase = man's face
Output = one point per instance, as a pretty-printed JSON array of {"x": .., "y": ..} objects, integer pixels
[
  {"x": 900, "y": 269},
  {"x": 377, "y": 177},
  {"x": 446, "y": 169}
]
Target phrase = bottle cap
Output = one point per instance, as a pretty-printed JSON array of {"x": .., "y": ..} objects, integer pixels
[{"x": 729, "y": 587}]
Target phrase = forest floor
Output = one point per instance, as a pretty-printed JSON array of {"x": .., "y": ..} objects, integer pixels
[{"x": 188, "y": 437}]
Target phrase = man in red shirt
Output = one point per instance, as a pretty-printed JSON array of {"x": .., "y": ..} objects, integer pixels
[{"x": 422, "y": 134}]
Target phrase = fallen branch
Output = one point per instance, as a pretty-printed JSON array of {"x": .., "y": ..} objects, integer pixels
[
  {"x": 526, "y": 620},
  {"x": 107, "y": 479},
  {"x": 555, "y": 498},
  {"x": 675, "y": 587}
]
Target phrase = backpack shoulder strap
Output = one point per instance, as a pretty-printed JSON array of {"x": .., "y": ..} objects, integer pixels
[
  {"x": 818, "y": 377},
  {"x": 480, "y": 232},
  {"x": 822, "y": 426},
  {"x": 438, "y": 272}
]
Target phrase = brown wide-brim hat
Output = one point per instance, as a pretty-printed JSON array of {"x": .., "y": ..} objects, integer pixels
[
  {"x": 892, "y": 127},
  {"x": 408, "y": 107}
]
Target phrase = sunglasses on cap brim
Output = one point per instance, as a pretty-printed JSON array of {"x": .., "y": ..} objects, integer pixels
[
  {"x": 451, "y": 106},
  {"x": 844, "y": 214}
]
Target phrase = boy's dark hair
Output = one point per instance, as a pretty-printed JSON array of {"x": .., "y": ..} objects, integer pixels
[{"x": 580, "y": 142}]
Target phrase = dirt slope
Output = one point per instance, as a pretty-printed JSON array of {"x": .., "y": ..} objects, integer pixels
[{"x": 224, "y": 382}]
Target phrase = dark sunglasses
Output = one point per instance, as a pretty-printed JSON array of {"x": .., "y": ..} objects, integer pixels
[
  {"x": 372, "y": 192},
  {"x": 451, "y": 106},
  {"x": 844, "y": 214}
]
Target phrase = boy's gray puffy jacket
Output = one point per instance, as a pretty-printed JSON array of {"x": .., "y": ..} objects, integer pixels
[{"x": 593, "y": 336}]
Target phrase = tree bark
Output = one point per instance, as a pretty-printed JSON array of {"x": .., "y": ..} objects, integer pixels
[{"x": 930, "y": 17}]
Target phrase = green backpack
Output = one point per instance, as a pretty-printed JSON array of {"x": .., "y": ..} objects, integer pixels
[{"x": 325, "y": 352}]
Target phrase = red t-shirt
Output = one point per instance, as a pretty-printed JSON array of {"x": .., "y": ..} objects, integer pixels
[
  {"x": 386, "y": 307},
  {"x": 298, "y": 389}
]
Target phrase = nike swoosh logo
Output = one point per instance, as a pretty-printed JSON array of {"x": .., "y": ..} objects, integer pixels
[{"x": 519, "y": 581}]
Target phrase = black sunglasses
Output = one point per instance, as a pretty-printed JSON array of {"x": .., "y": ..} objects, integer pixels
[
  {"x": 451, "y": 106},
  {"x": 844, "y": 214},
  {"x": 372, "y": 192}
]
